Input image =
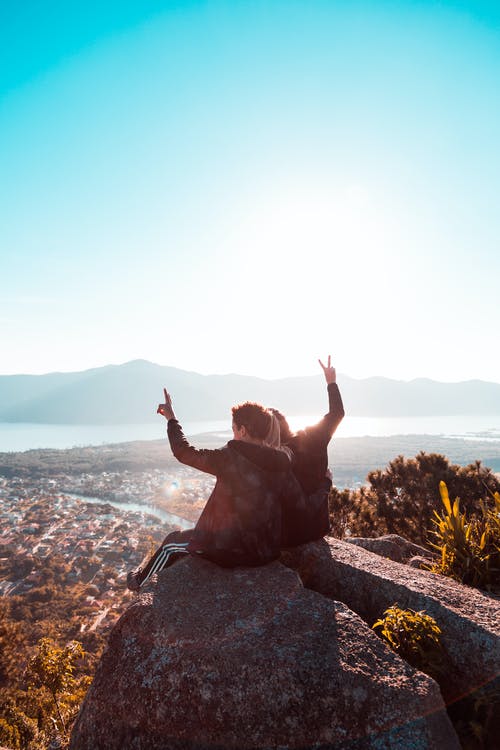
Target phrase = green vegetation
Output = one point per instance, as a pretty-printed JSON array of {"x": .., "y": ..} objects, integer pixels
[
  {"x": 52, "y": 694},
  {"x": 468, "y": 544},
  {"x": 134, "y": 456},
  {"x": 476, "y": 719},
  {"x": 401, "y": 499},
  {"x": 39, "y": 694},
  {"x": 56, "y": 600},
  {"x": 51, "y": 633},
  {"x": 53, "y": 668},
  {"x": 415, "y": 636}
]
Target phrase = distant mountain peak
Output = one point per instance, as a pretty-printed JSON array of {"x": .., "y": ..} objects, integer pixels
[{"x": 127, "y": 393}]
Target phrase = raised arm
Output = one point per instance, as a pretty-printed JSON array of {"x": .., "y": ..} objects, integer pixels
[
  {"x": 324, "y": 429},
  {"x": 209, "y": 461},
  {"x": 336, "y": 411},
  {"x": 335, "y": 406}
]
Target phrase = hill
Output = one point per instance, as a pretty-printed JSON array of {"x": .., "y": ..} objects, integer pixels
[{"x": 126, "y": 394}]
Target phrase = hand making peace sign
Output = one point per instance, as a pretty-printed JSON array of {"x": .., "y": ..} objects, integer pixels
[{"x": 330, "y": 374}]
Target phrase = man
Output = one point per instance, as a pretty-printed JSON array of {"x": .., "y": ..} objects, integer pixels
[
  {"x": 310, "y": 465},
  {"x": 241, "y": 523}
]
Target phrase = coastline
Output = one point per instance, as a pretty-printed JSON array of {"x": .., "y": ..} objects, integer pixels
[
  {"x": 23, "y": 436},
  {"x": 351, "y": 458}
]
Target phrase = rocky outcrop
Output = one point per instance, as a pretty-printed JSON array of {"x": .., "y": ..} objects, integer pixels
[
  {"x": 392, "y": 546},
  {"x": 419, "y": 562},
  {"x": 368, "y": 584},
  {"x": 213, "y": 658}
]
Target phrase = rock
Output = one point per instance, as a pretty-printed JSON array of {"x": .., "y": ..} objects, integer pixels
[
  {"x": 368, "y": 584},
  {"x": 422, "y": 563},
  {"x": 391, "y": 546},
  {"x": 246, "y": 658}
]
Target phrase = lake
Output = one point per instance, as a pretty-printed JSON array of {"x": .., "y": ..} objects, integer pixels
[{"x": 23, "y": 436}]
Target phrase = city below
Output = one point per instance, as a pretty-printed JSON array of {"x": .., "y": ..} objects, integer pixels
[{"x": 98, "y": 542}]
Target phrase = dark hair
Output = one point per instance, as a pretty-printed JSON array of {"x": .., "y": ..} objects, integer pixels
[
  {"x": 285, "y": 431},
  {"x": 254, "y": 417}
]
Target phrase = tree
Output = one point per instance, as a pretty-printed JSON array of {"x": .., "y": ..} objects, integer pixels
[
  {"x": 401, "y": 498},
  {"x": 407, "y": 492},
  {"x": 52, "y": 668},
  {"x": 12, "y": 644},
  {"x": 351, "y": 513}
]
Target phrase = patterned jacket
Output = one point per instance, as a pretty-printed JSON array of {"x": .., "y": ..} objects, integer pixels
[{"x": 241, "y": 523}]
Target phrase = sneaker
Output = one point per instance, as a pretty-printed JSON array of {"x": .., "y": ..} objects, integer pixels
[{"x": 134, "y": 579}]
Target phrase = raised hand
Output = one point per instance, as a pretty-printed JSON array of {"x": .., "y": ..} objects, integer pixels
[
  {"x": 166, "y": 409},
  {"x": 329, "y": 371}
]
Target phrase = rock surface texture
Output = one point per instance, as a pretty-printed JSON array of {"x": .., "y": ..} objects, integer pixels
[
  {"x": 248, "y": 658},
  {"x": 391, "y": 546},
  {"x": 368, "y": 584}
]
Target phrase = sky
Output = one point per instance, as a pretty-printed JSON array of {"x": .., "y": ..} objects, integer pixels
[{"x": 248, "y": 186}]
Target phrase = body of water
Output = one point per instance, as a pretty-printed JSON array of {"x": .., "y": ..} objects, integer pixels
[
  {"x": 151, "y": 510},
  {"x": 22, "y": 437}
]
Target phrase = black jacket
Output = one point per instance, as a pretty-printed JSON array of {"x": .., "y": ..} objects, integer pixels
[
  {"x": 241, "y": 523},
  {"x": 309, "y": 464},
  {"x": 310, "y": 446}
]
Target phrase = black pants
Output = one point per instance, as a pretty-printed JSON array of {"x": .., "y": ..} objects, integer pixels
[{"x": 173, "y": 547}]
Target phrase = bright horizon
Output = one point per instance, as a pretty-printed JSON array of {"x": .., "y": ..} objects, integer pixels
[{"x": 245, "y": 188}]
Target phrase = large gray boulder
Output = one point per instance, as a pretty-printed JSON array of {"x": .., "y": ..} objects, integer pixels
[
  {"x": 392, "y": 546},
  {"x": 249, "y": 658},
  {"x": 368, "y": 584}
]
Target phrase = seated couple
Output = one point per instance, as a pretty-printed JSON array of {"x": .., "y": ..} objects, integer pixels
[{"x": 271, "y": 490}]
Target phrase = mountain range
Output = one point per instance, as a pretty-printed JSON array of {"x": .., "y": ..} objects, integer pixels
[{"x": 129, "y": 393}]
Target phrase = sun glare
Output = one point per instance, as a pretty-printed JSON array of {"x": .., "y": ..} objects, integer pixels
[{"x": 315, "y": 226}]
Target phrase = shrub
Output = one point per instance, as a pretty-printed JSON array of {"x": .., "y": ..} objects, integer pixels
[
  {"x": 9, "y": 735},
  {"x": 401, "y": 498},
  {"x": 469, "y": 547},
  {"x": 340, "y": 508},
  {"x": 405, "y": 494},
  {"x": 53, "y": 669},
  {"x": 17, "y": 730},
  {"x": 415, "y": 636}
]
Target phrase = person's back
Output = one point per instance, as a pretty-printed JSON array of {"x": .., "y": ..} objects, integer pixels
[
  {"x": 310, "y": 446},
  {"x": 241, "y": 523},
  {"x": 310, "y": 466}
]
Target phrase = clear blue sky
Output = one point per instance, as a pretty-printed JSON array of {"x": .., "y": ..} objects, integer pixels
[{"x": 246, "y": 186}]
